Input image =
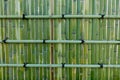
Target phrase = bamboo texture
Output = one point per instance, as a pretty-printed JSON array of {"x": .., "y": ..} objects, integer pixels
[
  {"x": 44, "y": 20},
  {"x": 62, "y": 16},
  {"x": 61, "y": 65}
]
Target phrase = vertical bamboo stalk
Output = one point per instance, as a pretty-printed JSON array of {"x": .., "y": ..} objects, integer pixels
[
  {"x": 118, "y": 46},
  {"x": 117, "y": 38},
  {"x": 25, "y": 36},
  {"x": 67, "y": 38},
  {"x": 74, "y": 34},
  {"x": 10, "y": 35},
  {"x": 46, "y": 36},
  {"x": 90, "y": 38},
  {"x": 58, "y": 36},
  {"x": 94, "y": 29},
  {"x": 114, "y": 38},
  {"x": 101, "y": 37},
  {"x": 77, "y": 38},
  {"x": 1, "y": 36},
  {"x": 17, "y": 36},
  {"x": 41, "y": 37},
  {"x": 71, "y": 38},
  {"x": 80, "y": 57},
  {"x": 63, "y": 33},
  {"x": 51, "y": 38},
  {"x": 86, "y": 37}
]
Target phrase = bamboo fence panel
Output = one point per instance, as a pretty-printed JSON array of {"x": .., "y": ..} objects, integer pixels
[{"x": 59, "y": 29}]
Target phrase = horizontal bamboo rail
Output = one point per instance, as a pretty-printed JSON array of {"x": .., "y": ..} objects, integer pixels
[
  {"x": 63, "y": 41},
  {"x": 61, "y": 65},
  {"x": 59, "y": 16}
]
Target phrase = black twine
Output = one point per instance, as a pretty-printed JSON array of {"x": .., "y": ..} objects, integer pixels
[
  {"x": 4, "y": 41},
  {"x": 82, "y": 41},
  {"x": 44, "y": 41},
  {"x": 101, "y": 65},
  {"x": 63, "y": 65},
  {"x": 63, "y": 16}
]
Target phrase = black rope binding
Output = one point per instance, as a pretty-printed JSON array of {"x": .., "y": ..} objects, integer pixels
[
  {"x": 82, "y": 41},
  {"x": 23, "y": 17},
  {"x": 25, "y": 65},
  {"x": 101, "y": 65},
  {"x": 63, "y": 65},
  {"x": 63, "y": 16},
  {"x": 44, "y": 41},
  {"x": 4, "y": 41},
  {"x": 102, "y": 16}
]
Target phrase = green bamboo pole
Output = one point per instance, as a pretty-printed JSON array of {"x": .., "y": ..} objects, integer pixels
[
  {"x": 90, "y": 38},
  {"x": 1, "y": 36},
  {"x": 73, "y": 23},
  {"x": 39, "y": 47},
  {"x": 115, "y": 12},
  {"x": 5, "y": 46},
  {"x": 93, "y": 72},
  {"x": 60, "y": 65},
  {"x": 101, "y": 33},
  {"x": 105, "y": 37},
  {"x": 41, "y": 37},
  {"x": 45, "y": 36},
  {"x": 71, "y": 37},
  {"x": 58, "y": 36},
  {"x": 81, "y": 46},
  {"x": 97, "y": 16},
  {"x": 38, "y": 37},
  {"x": 85, "y": 36},
  {"x": 77, "y": 37},
  {"x": 52, "y": 36},
  {"x": 22, "y": 34},
  {"x": 110, "y": 36},
  {"x": 63, "y": 32},
  {"x": 118, "y": 47},
  {"x": 106, "y": 46},
  {"x": 117, "y": 37},
  {"x": 11, "y": 70},
  {"x": 16, "y": 10},
  {"x": 67, "y": 38},
  {"x": 30, "y": 10},
  {"x": 60, "y": 41},
  {"x": 25, "y": 36},
  {"x": 33, "y": 36},
  {"x": 48, "y": 37},
  {"x": 108, "y": 33}
]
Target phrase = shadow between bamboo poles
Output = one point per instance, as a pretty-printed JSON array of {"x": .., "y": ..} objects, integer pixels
[{"x": 51, "y": 37}]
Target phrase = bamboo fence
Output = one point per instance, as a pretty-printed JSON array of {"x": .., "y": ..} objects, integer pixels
[{"x": 59, "y": 40}]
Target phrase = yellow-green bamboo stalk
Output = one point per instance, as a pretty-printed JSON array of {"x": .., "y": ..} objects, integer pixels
[
  {"x": 117, "y": 37},
  {"x": 1, "y": 36},
  {"x": 78, "y": 45},
  {"x": 93, "y": 72}
]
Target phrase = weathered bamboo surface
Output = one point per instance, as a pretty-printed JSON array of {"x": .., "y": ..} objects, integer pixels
[{"x": 59, "y": 29}]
